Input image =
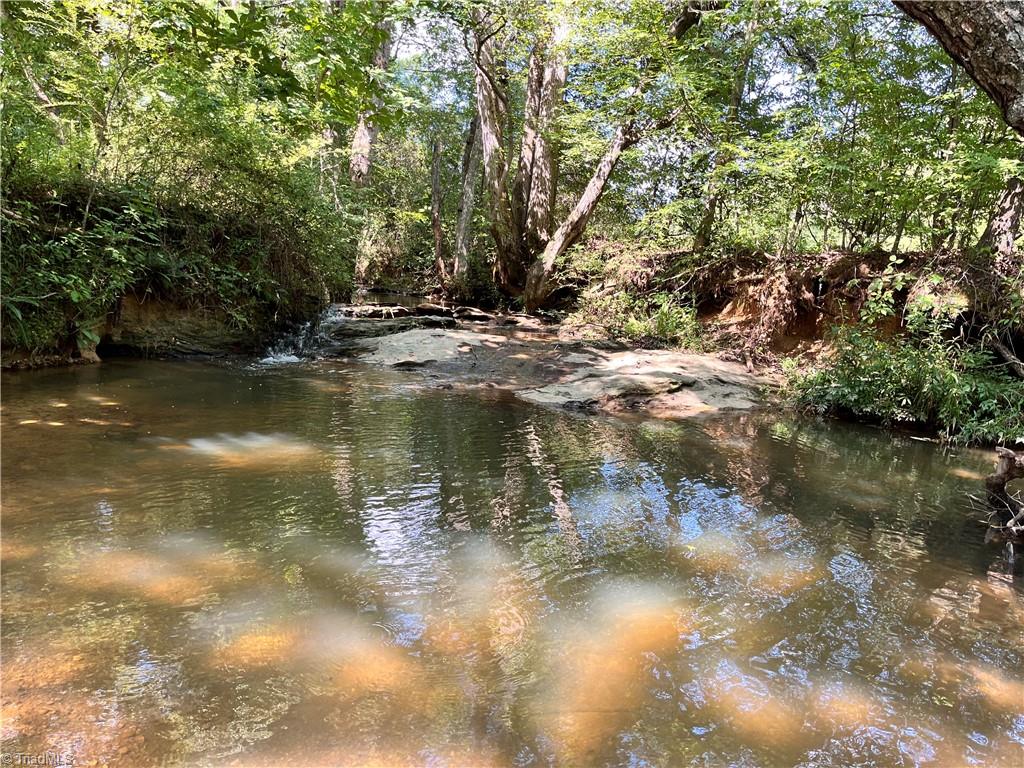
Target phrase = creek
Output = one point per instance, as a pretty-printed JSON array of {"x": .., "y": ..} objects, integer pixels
[{"x": 325, "y": 563}]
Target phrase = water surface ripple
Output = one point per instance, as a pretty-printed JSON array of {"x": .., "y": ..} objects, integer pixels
[{"x": 324, "y": 564}]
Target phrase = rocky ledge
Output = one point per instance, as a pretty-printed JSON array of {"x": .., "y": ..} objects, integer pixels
[{"x": 519, "y": 354}]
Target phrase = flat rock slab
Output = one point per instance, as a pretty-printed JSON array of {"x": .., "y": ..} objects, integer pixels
[
  {"x": 472, "y": 313},
  {"x": 538, "y": 367},
  {"x": 386, "y": 311},
  {"x": 429, "y": 308},
  {"x": 422, "y": 346},
  {"x": 348, "y": 328},
  {"x": 595, "y": 387}
]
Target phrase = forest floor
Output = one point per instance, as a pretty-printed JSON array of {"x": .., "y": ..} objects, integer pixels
[{"x": 543, "y": 364}]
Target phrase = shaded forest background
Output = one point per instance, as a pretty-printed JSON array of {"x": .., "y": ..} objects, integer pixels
[{"x": 751, "y": 176}]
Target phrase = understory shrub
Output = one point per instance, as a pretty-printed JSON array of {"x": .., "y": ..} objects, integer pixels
[
  {"x": 658, "y": 319},
  {"x": 919, "y": 379}
]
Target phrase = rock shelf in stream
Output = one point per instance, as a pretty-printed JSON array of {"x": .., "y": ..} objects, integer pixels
[
  {"x": 348, "y": 328},
  {"x": 532, "y": 362}
]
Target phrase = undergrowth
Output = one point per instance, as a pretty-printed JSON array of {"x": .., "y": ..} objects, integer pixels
[
  {"x": 921, "y": 380},
  {"x": 64, "y": 271},
  {"x": 658, "y": 319}
]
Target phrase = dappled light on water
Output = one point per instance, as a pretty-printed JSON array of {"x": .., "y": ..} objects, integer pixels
[
  {"x": 752, "y": 711},
  {"x": 602, "y": 671},
  {"x": 250, "y": 450},
  {"x": 316, "y": 564}
]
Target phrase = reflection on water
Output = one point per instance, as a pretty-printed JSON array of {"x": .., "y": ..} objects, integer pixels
[{"x": 326, "y": 565}]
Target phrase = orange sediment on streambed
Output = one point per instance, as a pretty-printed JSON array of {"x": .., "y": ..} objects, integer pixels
[
  {"x": 602, "y": 678},
  {"x": 843, "y": 708},
  {"x": 715, "y": 553},
  {"x": 146, "y": 576},
  {"x": 782, "y": 575},
  {"x": 368, "y": 667},
  {"x": 758, "y": 716},
  {"x": 253, "y": 450},
  {"x": 999, "y": 691},
  {"x": 13, "y": 550},
  {"x": 265, "y": 646}
]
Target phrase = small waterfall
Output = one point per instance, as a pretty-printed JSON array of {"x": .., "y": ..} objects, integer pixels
[
  {"x": 293, "y": 346},
  {"x": 327, "y": 334}
]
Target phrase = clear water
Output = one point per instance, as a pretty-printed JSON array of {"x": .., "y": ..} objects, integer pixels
[{"x": 326, "y": 564}]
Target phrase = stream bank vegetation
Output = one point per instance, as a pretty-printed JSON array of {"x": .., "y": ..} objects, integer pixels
[{"x": 830, "y": 187}]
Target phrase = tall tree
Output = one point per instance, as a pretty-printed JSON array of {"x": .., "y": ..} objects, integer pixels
[
  {"x": 464, "y": 217},
  {"x": 1004, "y": 224},
  {"x": 987, "y": 39},
  {"x": 723, "y": 156},
  {"x": 365, "y": 134},
  {"x": 626, "y": 135},
  {"x": 436, "y": 202},
  {"x": 536, "y": 177},
  {"x": 527, "y": 243},
  {"x": 490, "y": 79}
]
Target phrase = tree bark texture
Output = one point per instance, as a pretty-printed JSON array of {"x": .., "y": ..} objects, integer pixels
[
  {"x": 987, "y": 39},
  {"x": 464, "y": 217},
  {"x": 538, "y": 286},
  {"x": 1009, "y": 466},
  {"x": 492, "y": 110},
  {"x": 537, "y": 281},
  {"x": 537, "y": 173},
  {"x": 365, "y": 135},
  {"x": 1004, "y": 225},
  {"x": 435, "y": 213}
]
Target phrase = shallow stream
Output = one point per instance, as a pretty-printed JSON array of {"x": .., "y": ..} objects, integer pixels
[{"x": 322, "y": 563}]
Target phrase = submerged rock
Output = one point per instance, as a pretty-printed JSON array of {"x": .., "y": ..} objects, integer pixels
[{"x": 601, "y": 673}]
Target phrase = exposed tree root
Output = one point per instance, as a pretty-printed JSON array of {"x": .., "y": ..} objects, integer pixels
[{"x": 1007, "y": 510}]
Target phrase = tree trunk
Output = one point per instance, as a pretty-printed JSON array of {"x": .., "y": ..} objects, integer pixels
[
  {"x": 1009, "y": 466},
  {"x": 998, "y": 243},
  {"x": 365, "y": 135},
  {"x": 1001, "y": 232},
  {"x": 492, "y": 109},
  {"x": 520, "y": 225},
  {"x": 48, "y": 107},
  {"x": 537, "y": 283},
  {"x": 1015, "y": 364},
  {"x": 941, "y": 226},
  {"x": 536, "y": 176},
  {"x": 987, "y": 40},
  {"x": 464, "y": 219},
  {"x": 331, "y": 159},
  {"x": 626, "y": 135},
  {"x": 362, "y": 147},
  {"x": 435, "y": 213}
]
